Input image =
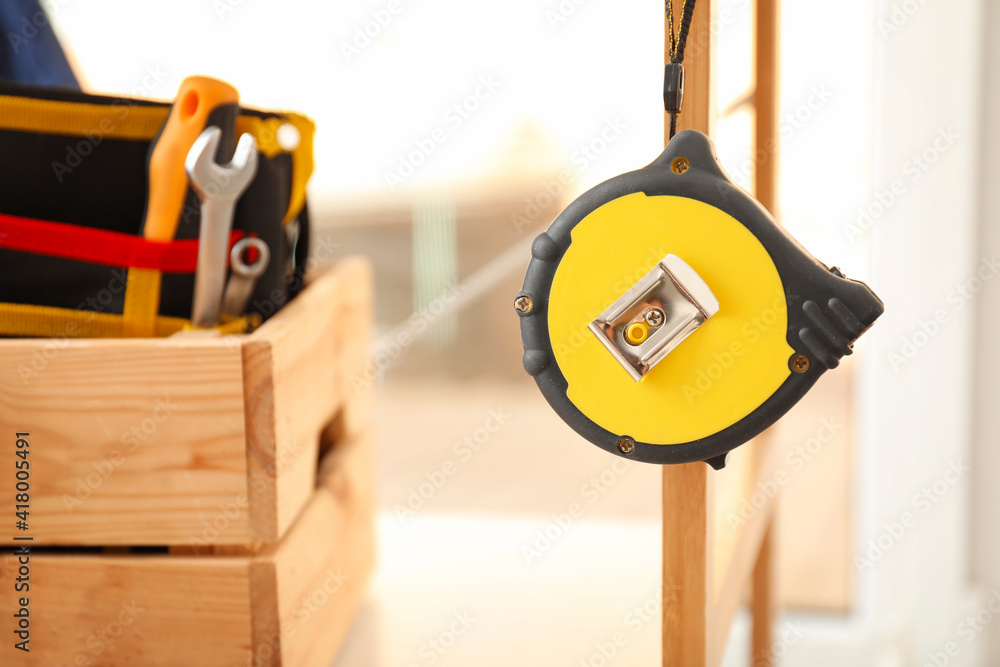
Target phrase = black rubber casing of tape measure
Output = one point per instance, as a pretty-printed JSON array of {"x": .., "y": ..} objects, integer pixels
[{"x": 827, "y": 312}]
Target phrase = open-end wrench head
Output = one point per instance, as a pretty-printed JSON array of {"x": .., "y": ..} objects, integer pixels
[{"x": 212, "y": 180}]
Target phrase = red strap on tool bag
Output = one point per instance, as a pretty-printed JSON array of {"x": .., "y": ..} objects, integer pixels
[{"x": 98, "y": 246}]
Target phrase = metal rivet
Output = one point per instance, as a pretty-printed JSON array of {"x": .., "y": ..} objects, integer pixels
[
  {"x": 654, "y": 316},
  {"x": 523, "y": 304},
  {"x": 680, "y": 165},
  {"x": 626, "y": 445},
  {"x": 800, "y": 363},
  {"x": 636, "y": 333}
]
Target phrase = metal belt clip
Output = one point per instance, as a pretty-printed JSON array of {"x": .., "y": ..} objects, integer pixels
[{"x": 655, "y": 315}]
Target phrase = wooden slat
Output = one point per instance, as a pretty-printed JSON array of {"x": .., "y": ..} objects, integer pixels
[
  {"x": 357, "y": 374},
  {"x": 132, "y": 441},
  {"x": 291, "y": 605},
  {"x": 132, "y": 610},
  {"x": 298, "y": 371},
  {"x": 321, "y": 568}
]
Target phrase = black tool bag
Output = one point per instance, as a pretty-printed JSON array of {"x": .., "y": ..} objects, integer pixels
[{"x": 73, "y": 188}]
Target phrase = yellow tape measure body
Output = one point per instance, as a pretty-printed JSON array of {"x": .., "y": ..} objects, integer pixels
[{"x": 667, "y": 318}]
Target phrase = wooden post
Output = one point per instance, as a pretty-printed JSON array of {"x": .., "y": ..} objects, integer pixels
[
  {"x": 688, "y": 489},
  {"x": 766, "y": 36},
  {"x": 697, "y": 113},
  {"x": 765, "y": 100},
  {"x": 697, "y": 609},
  {"x": 764, "y": 604}
]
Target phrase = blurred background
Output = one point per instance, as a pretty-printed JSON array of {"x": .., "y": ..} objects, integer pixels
[{"x": 451, "y": 133}]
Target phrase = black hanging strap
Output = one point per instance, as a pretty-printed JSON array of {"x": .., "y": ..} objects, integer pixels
[{"x": 673, "y": 72}]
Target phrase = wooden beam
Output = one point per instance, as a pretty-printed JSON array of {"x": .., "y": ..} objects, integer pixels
[
  {"x": 688, "y": 490},
  {"x": 697, "y": 614},
  {"x": 698, "y": 111},
  {"x": 766, "y": 103},
  {"x": 764, "y": 602},
  {"x": 766, "y": 134},
  {"x": 742, "y": 555},
  {"x": 688, "y": 494}
]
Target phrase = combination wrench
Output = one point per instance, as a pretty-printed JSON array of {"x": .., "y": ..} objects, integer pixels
[{"x": 219, "y": 188}]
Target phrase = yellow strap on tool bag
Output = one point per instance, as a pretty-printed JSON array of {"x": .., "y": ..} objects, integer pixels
[
  {"x": 265, "y": 131},
  {"x": 137, "y": 122},
  {"x": 44, "y": 321}
]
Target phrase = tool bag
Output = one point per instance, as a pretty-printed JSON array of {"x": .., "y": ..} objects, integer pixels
[{"x": 74, "y": 184}]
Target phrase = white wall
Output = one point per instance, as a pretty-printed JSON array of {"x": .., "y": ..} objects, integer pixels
[
  {"x": 986, "y": 500},
  {"x": 916, "y": 412},
  {"x": 922, "y": 62}
]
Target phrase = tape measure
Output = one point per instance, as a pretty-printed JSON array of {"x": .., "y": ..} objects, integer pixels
[{"x": 667, "y": 318}]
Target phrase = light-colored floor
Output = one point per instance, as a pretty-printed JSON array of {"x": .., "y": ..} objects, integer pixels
[
  {"x": 457, "y": 591},
  {"x": 532, "y": 464},
  {"x": 476, "y": 485}
]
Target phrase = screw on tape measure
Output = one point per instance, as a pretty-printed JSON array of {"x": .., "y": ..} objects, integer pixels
[{"x": 667, "y": 318}]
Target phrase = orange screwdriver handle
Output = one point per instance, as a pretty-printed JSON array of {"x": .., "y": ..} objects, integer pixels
[{"x": 197, "y": 97}]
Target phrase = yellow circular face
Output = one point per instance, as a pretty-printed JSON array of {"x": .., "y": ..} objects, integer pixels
[{"x": 722, "y": 372}]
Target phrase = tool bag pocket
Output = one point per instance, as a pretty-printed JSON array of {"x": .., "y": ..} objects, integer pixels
[{"x": 74, "y": 180}]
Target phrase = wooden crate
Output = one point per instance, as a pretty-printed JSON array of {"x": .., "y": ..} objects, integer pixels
[
  {"x": 195, "y": 500},
  {"x": 187, "y": 441},
  {"x": 289, "y": 604}
]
